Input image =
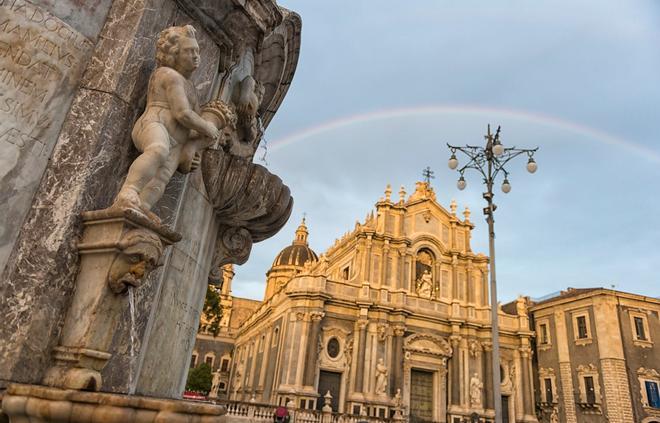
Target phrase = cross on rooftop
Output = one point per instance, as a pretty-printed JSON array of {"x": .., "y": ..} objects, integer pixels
[{"x": 428, "y": 175}]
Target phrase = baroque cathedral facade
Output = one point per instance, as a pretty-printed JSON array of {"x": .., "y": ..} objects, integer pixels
[{"x": 394, "y": 314}]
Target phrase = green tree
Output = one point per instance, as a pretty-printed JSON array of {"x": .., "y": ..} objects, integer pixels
[
  {"x": 213, "y": 310},
  {"x": 200, "y": 379}
]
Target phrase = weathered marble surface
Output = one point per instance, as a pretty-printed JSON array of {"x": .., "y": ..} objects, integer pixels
[
  {"x": 170, "y": 333},
  {"x": 93, "y": 147},
  {"x": 41, "y": 61},
  {"x": 86, "y": 17}
]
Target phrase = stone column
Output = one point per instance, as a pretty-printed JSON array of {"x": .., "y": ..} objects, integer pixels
[
  {"x": 527, "y": 385},
  {"x": 396, "y": 375},
  {"x": 312, "y": 348},
  {"x": 384, "y": 274},
  {"x": 469, "y": 284},
  {"x": 362, "y": 344},
  {"x": 455, "y": 370},
  {"x": 488, "y": 375},
  {"x": 565, "y": 373}
]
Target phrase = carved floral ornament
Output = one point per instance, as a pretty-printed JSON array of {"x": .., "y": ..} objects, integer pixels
[{"x": 427, "y": 344}]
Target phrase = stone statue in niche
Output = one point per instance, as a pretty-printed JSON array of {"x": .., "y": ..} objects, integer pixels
[
  {"x": 475, "y": 391},
  {"x": 554, "y": 416},
  {"x": 381, "y": 377},
  {"x": 238, "y": 377},
  {"x": 140, "y": 253},
  {"x": 425, "y": 285},
  {"x": 171, "y": 133}
]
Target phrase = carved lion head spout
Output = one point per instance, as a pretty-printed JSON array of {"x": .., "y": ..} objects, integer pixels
[{"x": 140, "y": 253}]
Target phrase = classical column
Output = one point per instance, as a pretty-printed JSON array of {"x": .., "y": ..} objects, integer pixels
[
  {"x": 396, "y": 375},
  {"x": 565, "y": 371},
  {"x": 312, "y": 348},
  {"x": 362, "y": 344},
  {"x": 455, "y": 370},
  {"x": 488, "y": 375},
  {"x": 527, "y": 387},
  {"x": 469, "y": 283}
]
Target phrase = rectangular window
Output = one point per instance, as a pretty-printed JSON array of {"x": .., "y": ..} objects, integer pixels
[
  {"x": 224, "y": 367},
  {"x": 356, "y": 410},
  {"x": 345, "y": 273},
  {"x": 582, "y": 327},
  {"x": 303, "y": 404},
  {"x": 652, "y": 393},
  {"x": 589, "y": 388},
  {"x": 193, "y": 360},
  {"x": 543, "y": 335},
  {"x": 548, "y": 390},
  {"x": 209, "y": 360},
  {"x": 639, "y": 328}
]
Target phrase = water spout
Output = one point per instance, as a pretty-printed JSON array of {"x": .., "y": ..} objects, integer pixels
[{"x": 133, "y": 341}]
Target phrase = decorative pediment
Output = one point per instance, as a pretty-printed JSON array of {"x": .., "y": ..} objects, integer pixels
[
  {"x": 543, "y": 372},
  {"x": 587, "y": 368},
  {"x": 428, "y": 344},
  {"x": 648, "y": 373}
]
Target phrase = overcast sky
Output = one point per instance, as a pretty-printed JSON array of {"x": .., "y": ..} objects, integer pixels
[{"x": 381, "y": 86}]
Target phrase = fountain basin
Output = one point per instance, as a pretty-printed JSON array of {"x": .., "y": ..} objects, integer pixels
[{"x": 42, "y": 404}]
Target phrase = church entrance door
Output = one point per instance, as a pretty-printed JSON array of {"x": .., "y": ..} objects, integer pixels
[
  {"x": 329, "y": 381},
  {"x": 421, "y": 396}
]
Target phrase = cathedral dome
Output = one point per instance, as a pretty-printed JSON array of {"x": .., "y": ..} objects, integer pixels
[{"x": 298, "y": 253}]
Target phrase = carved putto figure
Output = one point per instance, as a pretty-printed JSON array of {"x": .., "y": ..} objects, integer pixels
[
  {"x": 381, "y": 377},
  {"x": 425, "y": 285},
  {"x": 168, "y": 132},
  {"x": 475, "y": 391},
  {"x": 554, "y": 416}
]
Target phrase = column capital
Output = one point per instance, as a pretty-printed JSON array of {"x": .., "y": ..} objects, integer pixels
[
  {"x": 317, "y": 315},
  {"x": 487, "y": 346},
  {"x": 399, "y": 330},
  {"x": 455, "y": 340},
  {"x": 525, "y": 351},
  {"x": 362, "y": 323}
]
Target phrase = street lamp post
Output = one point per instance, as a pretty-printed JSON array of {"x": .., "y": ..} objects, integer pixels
[{"x": 490, "y": 161}]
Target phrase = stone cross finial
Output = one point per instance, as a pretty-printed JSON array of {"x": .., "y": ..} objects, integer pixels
[
  {"x": 402, "y": 194},
  {"x": 428, "y": 175},
  {"x": 453, "y": 206}
]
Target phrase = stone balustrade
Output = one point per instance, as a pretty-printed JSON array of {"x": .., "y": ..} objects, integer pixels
[{"x": 258, "y": 413}]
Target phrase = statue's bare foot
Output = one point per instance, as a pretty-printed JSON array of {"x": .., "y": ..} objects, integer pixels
[{"x": 129, "y": 199}]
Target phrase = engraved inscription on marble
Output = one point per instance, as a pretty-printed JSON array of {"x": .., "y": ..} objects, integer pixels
[{"x": 41, "y": 61}]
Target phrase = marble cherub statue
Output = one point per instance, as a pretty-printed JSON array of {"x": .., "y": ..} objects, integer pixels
[{"x": 171, "y": 133}]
